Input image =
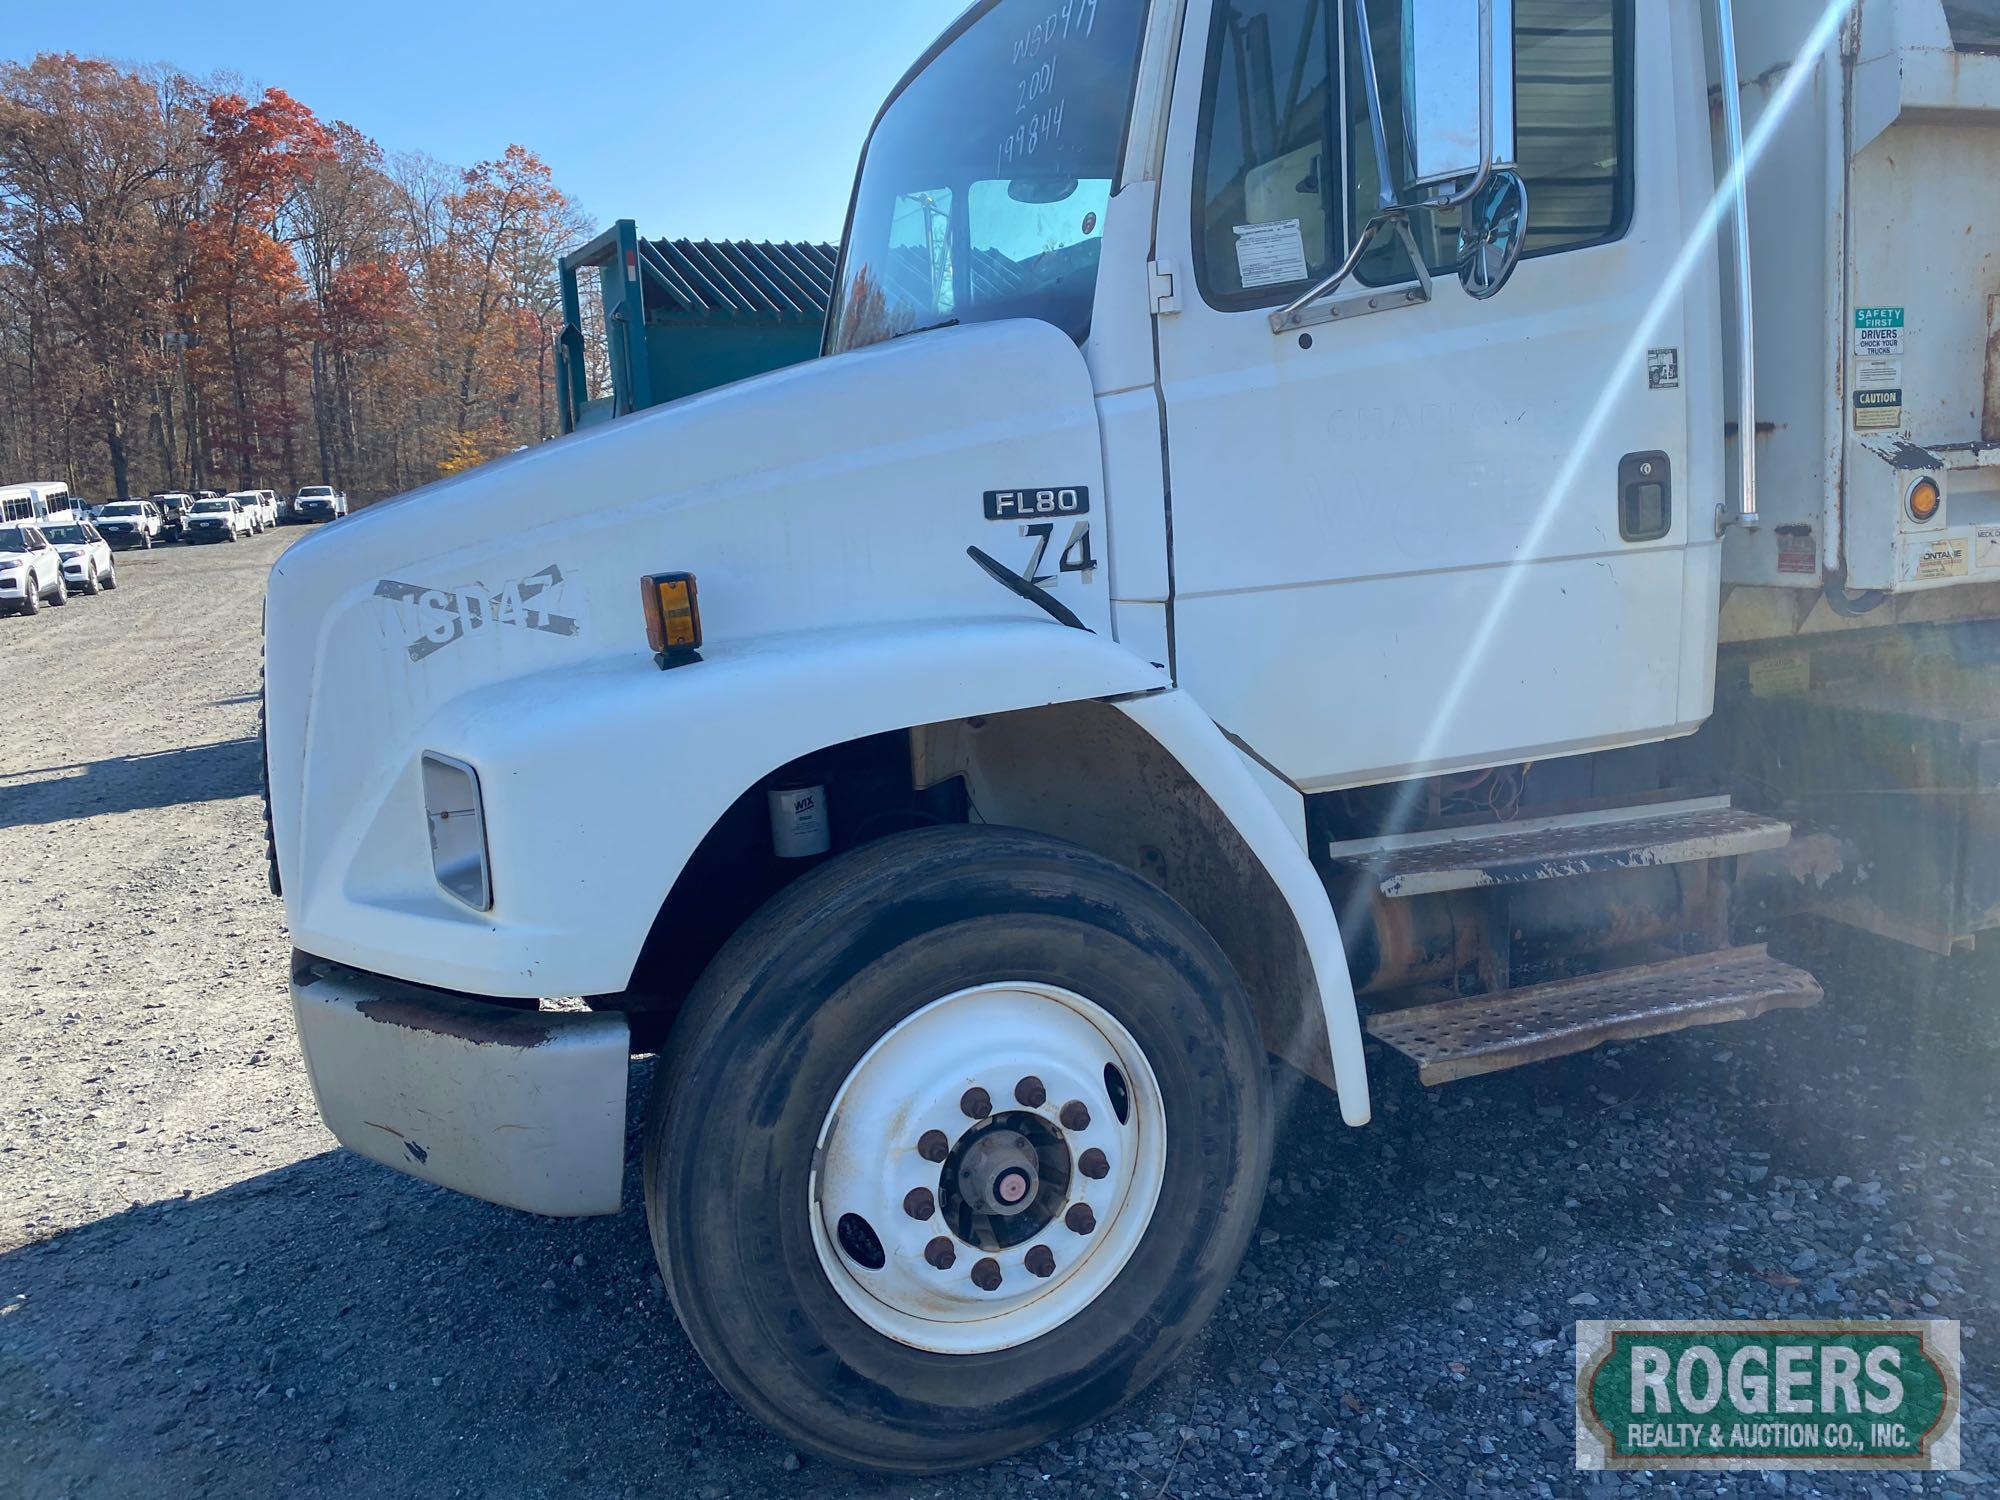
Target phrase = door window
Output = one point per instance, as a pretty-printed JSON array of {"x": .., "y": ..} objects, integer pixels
[
  {"x": 1267, "y": 157},
  {"x": 1572, "y": 71}
]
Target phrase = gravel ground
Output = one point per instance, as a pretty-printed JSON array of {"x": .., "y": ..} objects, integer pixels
[{"x": 200, "y": 1295}]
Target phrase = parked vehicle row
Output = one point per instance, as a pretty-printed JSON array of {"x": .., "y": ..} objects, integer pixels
[
  {"x": 41, "y": 565},
  {"x": 179, "y": 516},
  {"x": 52, "y": 547}
]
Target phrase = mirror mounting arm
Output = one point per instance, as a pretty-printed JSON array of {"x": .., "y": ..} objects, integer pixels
[{"x": 1315, "y": 304}]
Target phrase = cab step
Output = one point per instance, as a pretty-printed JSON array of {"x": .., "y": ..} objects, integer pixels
[
  {"x": 1463, "y": 1038},
  {"x": 1427, "y": 864}
]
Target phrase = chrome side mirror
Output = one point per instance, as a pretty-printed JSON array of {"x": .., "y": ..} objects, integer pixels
[
  {"x": 1458, "y": 129},
  {"x": 1458, "y": 93},
  {"x": 1491, "y": 231}
]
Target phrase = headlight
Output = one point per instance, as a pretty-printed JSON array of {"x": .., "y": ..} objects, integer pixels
[{"x": 457, "y": 821}]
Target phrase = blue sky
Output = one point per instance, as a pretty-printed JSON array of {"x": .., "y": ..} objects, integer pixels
[{"x": 698, "y": 118}]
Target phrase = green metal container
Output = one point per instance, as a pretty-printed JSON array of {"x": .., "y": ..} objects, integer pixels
[{"x": 683, "y": 316}]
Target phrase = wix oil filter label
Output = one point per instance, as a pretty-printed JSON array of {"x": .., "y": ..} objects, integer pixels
[{"x": 799, "y": 826}]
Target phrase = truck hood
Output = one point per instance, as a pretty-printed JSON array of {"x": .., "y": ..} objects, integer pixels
[{"x": 830, "y": 495}]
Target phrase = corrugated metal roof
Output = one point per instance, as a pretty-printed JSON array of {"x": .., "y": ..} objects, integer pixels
[{"x": 779, "y": 283}]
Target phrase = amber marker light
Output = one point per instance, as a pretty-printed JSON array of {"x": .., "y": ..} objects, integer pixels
[{"x": 673, "y": 618}]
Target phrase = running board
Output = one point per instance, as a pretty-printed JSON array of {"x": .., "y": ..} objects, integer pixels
[
  {"x": 1463, "y": 1038},
  {"x": 1428, "y": 864}
]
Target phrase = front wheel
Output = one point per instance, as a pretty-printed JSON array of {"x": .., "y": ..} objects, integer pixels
[
  {"x": 90, "y": 583},
  {"x": 957, "y": 1142},
  {"x": 59, "y": 596}
]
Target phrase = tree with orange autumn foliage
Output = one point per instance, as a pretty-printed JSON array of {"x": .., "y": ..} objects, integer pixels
[{"x": 201, "y": 288}]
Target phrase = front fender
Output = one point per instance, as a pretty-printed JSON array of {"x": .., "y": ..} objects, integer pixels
[
  {"x": 600, "y": 781},
  {"x": 1185, "y": 732}
]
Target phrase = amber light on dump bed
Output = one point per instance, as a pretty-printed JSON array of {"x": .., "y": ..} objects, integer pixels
[
  {"x": 673, "y": 617},
  {"x": 1925, "y": 498}
]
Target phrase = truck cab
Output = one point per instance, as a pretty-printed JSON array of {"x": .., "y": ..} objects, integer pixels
[{"x": 1252, "y": 568}]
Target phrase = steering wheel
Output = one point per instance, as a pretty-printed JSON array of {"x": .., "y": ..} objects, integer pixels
[{"x": 1491, "y": 233}]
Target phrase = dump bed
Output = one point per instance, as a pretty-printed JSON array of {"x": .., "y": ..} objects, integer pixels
[{"x": 1875, "y": 221}]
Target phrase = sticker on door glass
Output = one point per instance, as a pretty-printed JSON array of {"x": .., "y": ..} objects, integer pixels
[
  {"x": 1989, "y": 546},
  {"x": 1878, "y": 332},
  {"x": 1663, "y": 369},
  {"x": 1270, "y": 254}
]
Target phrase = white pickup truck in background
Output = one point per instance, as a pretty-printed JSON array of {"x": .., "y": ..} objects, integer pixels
[{"x": 315, "y": 503}]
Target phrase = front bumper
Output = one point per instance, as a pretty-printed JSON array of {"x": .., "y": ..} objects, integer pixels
[{"x": 519, "y": 1107}]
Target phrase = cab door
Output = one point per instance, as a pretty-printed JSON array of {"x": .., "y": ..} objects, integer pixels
[{"x": 1416, "y": 540}]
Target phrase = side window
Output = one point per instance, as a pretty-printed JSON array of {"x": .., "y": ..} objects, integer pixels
[
  {"x": 1267, "y": 156},
  {"x": 1572, "y": 86}
]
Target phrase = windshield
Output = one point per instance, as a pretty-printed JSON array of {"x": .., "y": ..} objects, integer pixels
[
  {"x": 983, "y": 189},
  {"x": 124, "y": 508},
  {"x": 314, "y": 492},
  {"x": 17, "y": 539},
  {"x": 207, "y": 507},
  {"x": 66, "y": 535}
]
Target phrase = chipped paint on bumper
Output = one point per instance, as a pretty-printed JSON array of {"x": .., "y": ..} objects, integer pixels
[{"x": 522, "y": 1108}]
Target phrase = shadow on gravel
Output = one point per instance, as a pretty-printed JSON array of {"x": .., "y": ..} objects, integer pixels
[{"x": 128, "y": 783}]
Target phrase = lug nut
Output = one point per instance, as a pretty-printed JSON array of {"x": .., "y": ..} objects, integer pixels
[
  {"x": 1075, "y": 1116},
  {"x": 1040, "y": 1260},
  {"x": 976, "y": 1103},
  {"x": 1094, "y": 1163},
  {"x": 940, "y": 1254},
  {"x": 933, "y": 1145},
  {"x": 1029, "y": 1093},
  {"x": 919, "y": 1204},
  {"x": 986, "y": 1275},
  {"x": 1080, "y": 1219}
]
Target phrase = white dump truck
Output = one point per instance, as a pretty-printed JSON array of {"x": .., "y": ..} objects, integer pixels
[{"x": 1317, "y": 518}]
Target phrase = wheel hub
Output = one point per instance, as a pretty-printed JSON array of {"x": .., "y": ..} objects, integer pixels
[
  {"x": 1005, "y": 1181},
  {"x": 955, "y": 1226}
]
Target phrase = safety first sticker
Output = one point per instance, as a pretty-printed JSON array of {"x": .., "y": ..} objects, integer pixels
[{"x": 1878, "y": 332}]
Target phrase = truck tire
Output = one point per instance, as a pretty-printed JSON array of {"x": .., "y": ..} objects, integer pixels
[{"x": 955, "y": 1145}]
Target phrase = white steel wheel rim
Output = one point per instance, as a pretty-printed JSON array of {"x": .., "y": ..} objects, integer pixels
[{"x": 914, "y": 1081}]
